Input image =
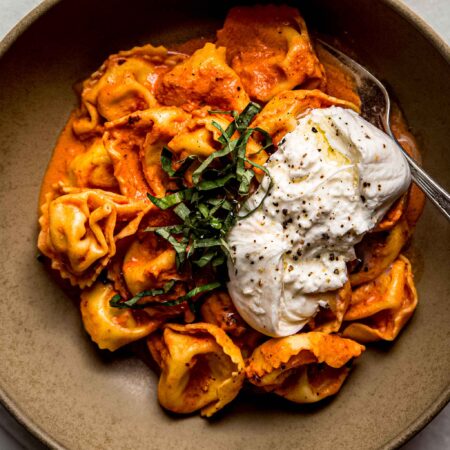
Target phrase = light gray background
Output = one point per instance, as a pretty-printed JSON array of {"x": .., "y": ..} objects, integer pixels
[{"x": 436, "y": 436}]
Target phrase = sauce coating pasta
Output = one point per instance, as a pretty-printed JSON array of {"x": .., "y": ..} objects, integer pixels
[{"x": 156, "y": 131}]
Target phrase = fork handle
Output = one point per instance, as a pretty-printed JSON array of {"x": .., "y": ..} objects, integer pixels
[{"x": 435, "y": 192}]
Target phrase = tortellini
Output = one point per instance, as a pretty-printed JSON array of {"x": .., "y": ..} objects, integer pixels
[
  {"x": 201, "y": 368},
  {"x": 329, "y": 319},
  {"x": 415, "y": 205},
  {"x": 124, "y": 83},
  {"x": 280, "y": 115},
  {"x": 381, "y": 308},
  {"x": 270, "y": 49},
  {"x": 378, "y": 250},
  {"x": 303, "y": 368},
  {"x": 79, "y": 230},
  {"x": 99, "y": 225},
  {"x": 203, "y": 79},
  {"x": 200, "y": 137},
  {"x": 134, "y": 144},
  {"x": 93, "y": 168},
  {"x": 111, "y": 328},
  {"x": 393, "y": 215},
  {"x": 410, "y": 205},
  {"x": 218, "y": 309},
  {"x": 149, "y": 263},
  {"x": 409, "y": 208}
]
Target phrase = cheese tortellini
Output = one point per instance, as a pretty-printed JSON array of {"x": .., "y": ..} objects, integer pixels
[
  {"x": 201, "y": 368},
  {"x": 134, "y": 144},
  {"x": 200, "y": 138},
  {"x": 218, "y": 309},
  {"x": 329, "y": 319},
  {"x": 380, "y": 309},
  {"x": 111, "y": 328},
  {"x": 270, "y": 49},
  {"x": 124, "y": 83},
  {"x": 93, "y": 168},
  {"x": 203, "y": 79},
  {"x": 149, "y": 263},
  {"x": 378, "y": 250},
  {"x": 79, "y": 230},
  {"x": 280, "y": 115},
  {"x": 303, "y": 368},
  {"x": 148, "y": 121}
]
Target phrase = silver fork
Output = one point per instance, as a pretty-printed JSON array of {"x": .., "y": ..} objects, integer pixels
[{"x": 376, "y": 109}]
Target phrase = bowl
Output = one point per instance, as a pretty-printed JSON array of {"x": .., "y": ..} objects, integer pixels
[{"x": 71, "y": 395}]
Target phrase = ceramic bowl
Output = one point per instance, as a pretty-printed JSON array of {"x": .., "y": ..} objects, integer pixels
[{"x": 71, "y": 395}]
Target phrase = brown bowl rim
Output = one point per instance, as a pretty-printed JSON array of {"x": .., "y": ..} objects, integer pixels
[{"x": 428, "y": 33}]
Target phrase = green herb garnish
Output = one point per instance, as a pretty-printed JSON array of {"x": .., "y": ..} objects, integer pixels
[
  {"x": 117, "y": 302},
  {"x": 210, "y": 207}
]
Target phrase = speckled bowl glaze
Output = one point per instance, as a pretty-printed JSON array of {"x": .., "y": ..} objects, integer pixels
[{"x": 71, "y": 395}]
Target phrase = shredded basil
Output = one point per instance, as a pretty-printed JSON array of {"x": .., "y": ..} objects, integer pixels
[
  {"x": 117, "y": 301},
  {"x": 221, "y": 183},
  {"x": 166, "y": 163},
  {"x": 170, "y": 200},
  {"x": 209, "y": 207}
]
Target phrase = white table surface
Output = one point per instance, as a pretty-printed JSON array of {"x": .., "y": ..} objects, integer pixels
[{"x": 436, "y": 436}]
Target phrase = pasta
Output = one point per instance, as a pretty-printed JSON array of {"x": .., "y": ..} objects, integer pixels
[
  {"x": 270, "y": 50},
  {"x": 79, "y": 230},
  {"x": 218, "y": 309},
  {"x": 380, "y": 308},
  {"x": 148, "y": 264},
  {"x": 329, "y": 320},
  {"x": 109, "y": 327},
  {"x": 201, "y": 368},
  {"x": 278, "y": 117},
  {"x": 378, "y": 251},
  {"x": 93, "y": 168},
  {"x": 203, "y": 79},
  {"x": 134, "y": 144},
  {"x": 125, "y": 83},
  {"x": 303, "y": 368},
  {"x": 151, "y": 172}
]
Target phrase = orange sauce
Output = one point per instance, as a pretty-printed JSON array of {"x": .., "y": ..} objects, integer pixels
[
  {"x": 67, "y": 148},
  {"x": 339, "y": 83},
  {"x": 142, "y": 258}
]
